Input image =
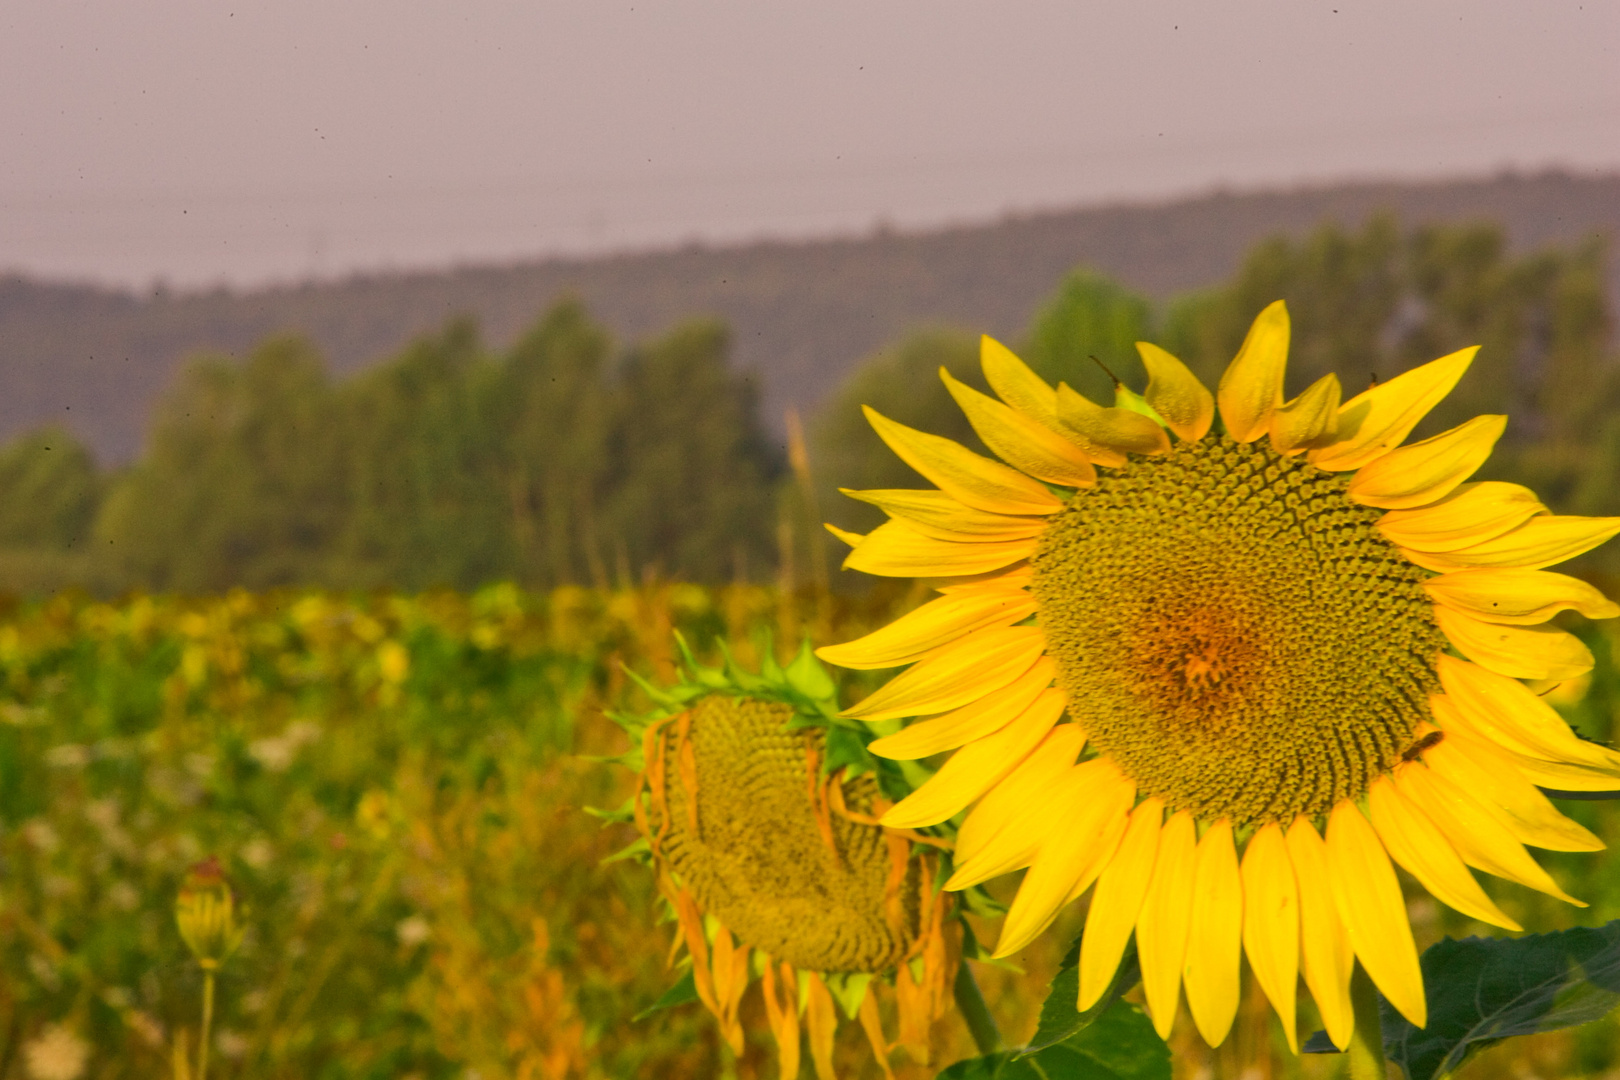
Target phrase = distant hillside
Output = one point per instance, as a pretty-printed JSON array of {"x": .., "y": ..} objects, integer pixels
[{"x": 803, "y": 314}]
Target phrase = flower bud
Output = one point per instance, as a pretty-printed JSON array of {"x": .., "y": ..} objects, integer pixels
[{"x": 206, "y": 913}]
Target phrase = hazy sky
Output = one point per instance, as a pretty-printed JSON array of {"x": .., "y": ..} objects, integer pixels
[{"x": 248, "y": 142}]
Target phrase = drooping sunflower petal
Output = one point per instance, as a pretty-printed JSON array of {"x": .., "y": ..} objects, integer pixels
[
  {"x": 1426, "y": 471},
  {"x": 897, "y": 549},
  {"x": 1368, "y": 899},
  {"x": 1025, "y": 444},
  {"x": 1016, "y": 384},
  {"x": 1505, "y": 711},
  {"x": 1414, "y": 842},
  {"x": 975, "y": 720},
  {"x": 1375, "y": 422},
  {"x": 977, "y": 664},
  {"x": 1492, "y": 773},
  {"x": 936, "y": 623},
  {"x": 1476, "y": 830},
  {"x": 959, "y": 472},
  {"x": 1005, "y": 808},
  {"x": 822, "y": 1022},
  {"x": 1326, "y": 956},
  {"x": 1518, "y": 597},
  {"x": 1215, "y": 937},
  {"x": 1176, "y": 394},
  {"x": 1470, "y": 515},
  {"x": 978, "y": 765},
  {"x": 936, "y": 514},
  {"x": 1271, "y": 923},
  {"x": 1071, "y": 858},
  {"x": 1161, "y": 929},
  {"x": 1541, "y": 541},
  {"x": 1105, "y": 434},
  {"x": 1252, "y": 386},
  {"x": 1117, "y": 902},
  {"x": 1012, "y": 838},
  {"x": 1309, "y": 420},
  {"x": 1521, "y": 652}
]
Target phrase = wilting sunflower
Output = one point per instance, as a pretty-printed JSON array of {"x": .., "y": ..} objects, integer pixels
[
  {"x": 764, "y": 833},
  {"x": 1222, "y": 678}
]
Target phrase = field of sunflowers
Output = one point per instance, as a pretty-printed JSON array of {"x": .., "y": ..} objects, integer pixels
[{"x": 396, "y": 787}]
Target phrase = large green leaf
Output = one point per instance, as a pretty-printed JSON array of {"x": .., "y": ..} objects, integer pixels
[
  {"x": 1484, "y": 990},
  {"x": 1060, "y": 1019},
  {"x": 1118, "y": 1044}
]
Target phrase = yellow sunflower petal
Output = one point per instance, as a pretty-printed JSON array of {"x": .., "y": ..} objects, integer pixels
[
  {"x": 936, "y": 623},
  {"x": 975, "y": 481},
  {"x": 853, "y": 539},
  {"x": 972, "y": 721},
  {"x": 1522, "y": 652},
  {"x": 973, "y": 769},
  {"x": 1027, "y": 830},
  {"x": 1470, "y": 515},
  {"x": 1492, "y": 774},
  {"x": 897, "y": 549},
  {"x": 1427, "y": 471},
  {"x": 1413, "y": 841},
  {"x": 1476, "y": 829},
  {"x": 936, "y": 514},
  {"x": 1017, "y": 799},
  {"x": 1215, "y": 937},
  {"x": 1016, "y": 384},
  {"x": 1532, "y": 755},
  {"x": 1309, "y": 420},
  {"x": 1368, "y": 899},
  {"x": 1271, "y": 923},
  {"x": 1161, "y": 929},
  {"x": 977, "y": 664},
  {"x": 1071, "y": 858},
  {"x": 1107, "y": 435},
  {"x": 1505, "y": 711},
  {"x": 1518, "y": 597},
  {"x": 1252, "y": 385},
  {"x": 1375, "y": 422},
  {"x": 1018, "y": 577},
  {"x": 1541, "y": 541},
  {"x": 1118, "y": 901},
  {"x": 1176, "y": 394},
  {"x": 1325, "y": 954},
  {"x": 1026, "y": 445}
]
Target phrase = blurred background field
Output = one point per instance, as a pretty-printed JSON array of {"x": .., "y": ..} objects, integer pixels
[{"x": 395, "y": 784}]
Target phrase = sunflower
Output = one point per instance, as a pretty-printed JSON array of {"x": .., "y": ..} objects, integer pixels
[
  {"x": 762, "y": 825},
  {"x": 1224, "y": 679}
]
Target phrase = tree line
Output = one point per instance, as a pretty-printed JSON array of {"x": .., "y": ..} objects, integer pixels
[{"x": 570, "y": 458}]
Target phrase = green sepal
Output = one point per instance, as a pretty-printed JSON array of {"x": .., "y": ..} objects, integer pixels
[
  {"x": 848, "y": 988},
  {"x": 638, "y": 849},
  {"x": 623, "y": 814},
  {"x": 682, "y": 993}
]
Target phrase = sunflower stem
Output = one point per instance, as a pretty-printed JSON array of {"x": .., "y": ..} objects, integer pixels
[
  {"x": 207, "y": 1023},
  {"x": 975, "y": 1013},
  {"x": 1367, "y": 1042}
]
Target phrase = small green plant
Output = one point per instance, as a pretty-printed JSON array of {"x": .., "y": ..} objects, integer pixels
[{"x": 206, "y": 913}]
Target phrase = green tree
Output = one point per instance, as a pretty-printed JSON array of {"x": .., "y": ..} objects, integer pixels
[
  {"x": 553, "y": 405},
  {"x": 49, "y": 491},
  {"x": 429, "y": 503},
  {"x": 1088, "y": 316},
  {"x": 692, "y": 473},
  {"x": 242, "y": 482}
]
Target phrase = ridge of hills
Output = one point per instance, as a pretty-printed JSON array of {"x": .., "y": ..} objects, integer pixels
[{"x": 803, "y": 314}]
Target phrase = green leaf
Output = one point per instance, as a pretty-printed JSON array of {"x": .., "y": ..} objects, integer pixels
[
  {"x": 807, "y": 675},
  {"x": 846, "y": 749},
  {"x": 1484, "y": 990},
  {"x": 1060, "y": 1019},
  {"x": 679, "y": 994},
  {"x": 1119, "y": 1045}
]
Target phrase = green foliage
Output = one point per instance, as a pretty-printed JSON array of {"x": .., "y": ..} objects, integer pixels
[
  {"x": 1118, "y": 1044},
  {"x": 49, "y": 491},
  {"x": 1089, "y": 315},
  {"x": 1484, "y": 990}
]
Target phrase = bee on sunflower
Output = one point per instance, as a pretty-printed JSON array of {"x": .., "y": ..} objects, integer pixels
[
  {"x": 1223, "y": 679},
  {"x": 758, "y": 808}
]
